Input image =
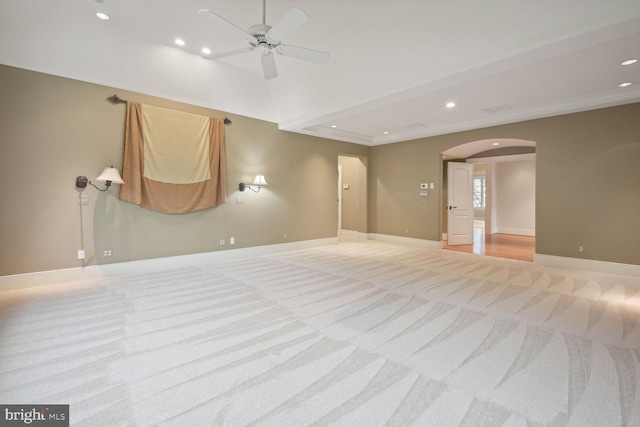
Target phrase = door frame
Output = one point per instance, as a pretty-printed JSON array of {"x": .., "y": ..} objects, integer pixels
[{"x": 347, "y": 175}]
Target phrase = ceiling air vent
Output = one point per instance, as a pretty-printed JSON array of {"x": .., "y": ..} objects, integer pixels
[
  {"x": 497, "y": 108},
  {"x": 414, "y": 125}
]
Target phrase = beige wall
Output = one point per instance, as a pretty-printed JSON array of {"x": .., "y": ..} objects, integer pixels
[
  {"x": 53, "y": 129},
  {"x": 396, "y": 172},
  {"x": 587, "y": 183}
]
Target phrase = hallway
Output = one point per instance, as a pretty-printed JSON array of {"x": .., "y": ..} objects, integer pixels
[{"x": 498, "y": 245}]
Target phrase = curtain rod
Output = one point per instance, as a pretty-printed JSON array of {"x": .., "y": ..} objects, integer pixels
[{"x": 115, "y": 99}]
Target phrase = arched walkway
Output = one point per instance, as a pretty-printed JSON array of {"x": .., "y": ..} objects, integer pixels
[{"x": 514, "y": 236}]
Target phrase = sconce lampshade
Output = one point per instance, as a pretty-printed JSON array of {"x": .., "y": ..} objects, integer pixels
[
  {"x": 110, "y": 174},
  {"x": 259, "y": 180}
]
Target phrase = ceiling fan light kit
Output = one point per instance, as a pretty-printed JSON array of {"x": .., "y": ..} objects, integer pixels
[{"x": 267, "y": 40}]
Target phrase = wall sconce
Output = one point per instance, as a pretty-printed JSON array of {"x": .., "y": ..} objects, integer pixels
[
  {"x": 258, "y": 182},
  {"x": 109, "y": 175}
]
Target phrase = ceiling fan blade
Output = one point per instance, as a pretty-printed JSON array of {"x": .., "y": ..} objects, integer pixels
[
  {"x": 228, "y": 53},
  {"x": 288, "y": 23},
  {"x": 231, "y": 27},
  {"x": 303, "y": 53},
  {"x": 269, "y": 66}
]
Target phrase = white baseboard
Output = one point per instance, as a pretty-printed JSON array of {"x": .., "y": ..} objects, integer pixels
[
  {"x": 355, "y": 234},
  {"x": 431, "y": 244},
  {"x": 587, "y": 264},
  {"x": 516, "y": 231},
  {"x": 41, "y": 278}
]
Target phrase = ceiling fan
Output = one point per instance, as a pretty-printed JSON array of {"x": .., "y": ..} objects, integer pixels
[{"x": 266, "y": 39}]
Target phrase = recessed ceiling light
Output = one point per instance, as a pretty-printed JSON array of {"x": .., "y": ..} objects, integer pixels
[
  {"x": 179, "y": 42},
  {"x": 102, "y": 16},
  {"x": 334, "y": 126},
  {"x": 629, "y": 62},
  {"x": 451, "y": 104},
  {"x": 625, "y": 84},
  {"x": 386, "y": 132},
  {"x": 495, "y": 143},
  {"x": 205, "y": 50}
]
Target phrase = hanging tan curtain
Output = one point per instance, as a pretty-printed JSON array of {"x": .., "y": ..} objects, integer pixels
[{"x": 174, "y": 162}]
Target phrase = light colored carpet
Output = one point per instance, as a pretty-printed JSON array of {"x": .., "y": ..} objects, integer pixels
[{"x": 356, "y": 334}]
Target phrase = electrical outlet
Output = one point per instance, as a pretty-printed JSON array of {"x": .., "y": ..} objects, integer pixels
[
  {"x": 580, "y": 248},
  {"x": 232, "y": 240},
  {"x": 222, "y": 242},
  {"x": 240, "y": 200},
  {"x": 107, "y": 253},
  {"x": 285, "y": 235},
  {"x": 81, "y": 254},
  {"x": 83, "y": 200}
]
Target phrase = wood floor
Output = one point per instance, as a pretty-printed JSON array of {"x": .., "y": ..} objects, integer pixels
[{"x": 498, "y": 245}]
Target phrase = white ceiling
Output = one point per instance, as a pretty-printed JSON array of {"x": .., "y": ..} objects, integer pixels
[{"x": 394, "y": 63}]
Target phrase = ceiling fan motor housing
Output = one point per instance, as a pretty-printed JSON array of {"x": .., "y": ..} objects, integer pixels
[{"x": 259, "y": 30}]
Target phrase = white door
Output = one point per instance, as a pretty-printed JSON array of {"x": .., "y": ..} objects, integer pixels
[{"x": 460, "y": 204}]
